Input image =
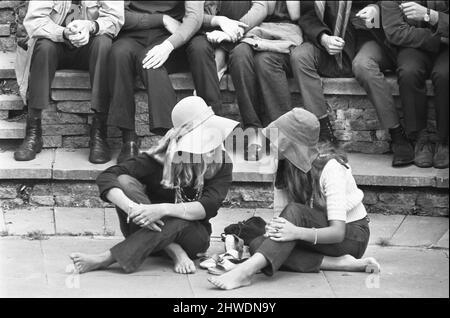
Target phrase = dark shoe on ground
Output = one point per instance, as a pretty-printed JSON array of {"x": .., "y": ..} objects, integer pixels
[
  {"x": 440, "y": 159},
  {"x": 99, "y": 149},
  {"x": 401, "y": 147},
  {"x": 130, "y": 149},
  {"x": 424, "y": 151},
  {"x": 327, "y": 131},
  {"x": 32, "y": 143}
]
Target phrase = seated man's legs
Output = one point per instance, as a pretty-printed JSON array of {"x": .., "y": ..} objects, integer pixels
[
  {"x": 202, "y": 63},
  {"x": 308, "y": 62},
  {"x": 439, "y": 76},
  {"x": 46, "y": 57},
  {"x": 413, "y": 69},
  {"x": 368, "y": 65},
  {"x": 94, "y": 57},
  {"x": 271, "y": 70},
  {"x": 243, "y": 74}
]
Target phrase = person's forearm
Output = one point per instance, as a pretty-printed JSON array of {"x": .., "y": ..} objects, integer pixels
[
  {"x": 326, "y": 235},
  {"x": 192, "y": 211},
  {"x": 118, "y": 198}
]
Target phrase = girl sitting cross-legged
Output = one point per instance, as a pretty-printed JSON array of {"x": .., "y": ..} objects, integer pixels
[
  {"x": 325, "y": 225},
  {"x": 166, "y": 196}
]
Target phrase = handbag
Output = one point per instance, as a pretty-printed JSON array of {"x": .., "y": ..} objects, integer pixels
[{"x": 247, "y": 230}]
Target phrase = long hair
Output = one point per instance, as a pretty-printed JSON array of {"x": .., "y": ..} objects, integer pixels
[
  {"x": 304, "y": 188},
  {"x": 189, "y": 172}
]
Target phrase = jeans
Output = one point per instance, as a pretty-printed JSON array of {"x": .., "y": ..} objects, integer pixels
[
  {"x": 309, "y": 63},
  {"x": 49, "y": 56},
  {"x": 127, "y": 54},
  {"x": 139, "y": 243},
  {"x": 299, "y": 256},
  {"x": 414, "y": 67},
  {"x": 368, "y": 67}
]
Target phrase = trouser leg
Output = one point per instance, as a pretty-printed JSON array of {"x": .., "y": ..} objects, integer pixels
[
  {"x": 243, "y": 74},
  {"x": 200, "y": 54},
  {"x": 439, "y": 76},
  {"x": 413, "y": 68},
  {"x": 122, "y": 75},
  {"x": 44, "y": 63},
  {"x": 368, "y": 65},
  {"x": 271, "y": 70}
]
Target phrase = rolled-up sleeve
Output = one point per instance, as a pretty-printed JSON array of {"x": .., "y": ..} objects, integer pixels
[
  {"x": 138, "y": 168},
  {"x": 192, "y": 22},
  {"x": 111, "y": 17},
  {"x": 216, "y": 190}
]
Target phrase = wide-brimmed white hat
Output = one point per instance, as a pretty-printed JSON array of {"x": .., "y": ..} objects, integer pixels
[{"x": 209, "y": 131}]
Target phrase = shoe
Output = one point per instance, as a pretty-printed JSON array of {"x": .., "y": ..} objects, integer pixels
[
  {"x": 33, "y": 143},
  {"x": 401, "y": 147},
  {"x": 129, "y": 150},
  {"x": 99, "y": 149},
  {"x": 440, "y": 159},
  {"x": 327, "y": 131},
  {"x": 424, "y": 151}
]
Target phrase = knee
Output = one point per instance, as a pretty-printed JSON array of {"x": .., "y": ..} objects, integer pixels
[
  {"x": 199, "y": 47},
  {"x": 363, "y": 67},
  {"x": 120, "y": 52},
  {"x": 410, "y": 75},
  {"x": 439, "y": 77},
  {"x": 242, "y": 54},
  {"x": 302, "y": 57},
  {"x": 293, "y": 211},
  {"x": 265, "y": 63},
  {"x": 45, "y": 47},
  {"x": 102, "y": 43},
  {"x": 128, "y": 182}
]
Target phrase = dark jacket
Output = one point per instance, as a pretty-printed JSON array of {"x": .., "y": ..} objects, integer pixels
[
  {"x": 313, "y": 27},
  {"x": 401, "y": 32},
  {"x": 149, "y": 172}
]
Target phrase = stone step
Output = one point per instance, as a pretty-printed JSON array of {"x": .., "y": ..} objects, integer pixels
[
  {"x": 10, "y": 102},
  {"x": 12, "y": 130},
  {"x": 76, "y": 80},
  {"x": 369, "y": 170}
]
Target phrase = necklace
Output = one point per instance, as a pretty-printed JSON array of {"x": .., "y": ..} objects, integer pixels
[{"x": 182, "y": 197}]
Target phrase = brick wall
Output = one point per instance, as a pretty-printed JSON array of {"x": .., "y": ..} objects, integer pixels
[{"x": 12, "y": 14}]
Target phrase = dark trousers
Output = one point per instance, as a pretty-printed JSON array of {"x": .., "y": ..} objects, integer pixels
[
  {"x": 127, "y": 55},
  {"x": 368, "y": 66},
  {"x": 414, "y": 67},
  {"x": 304, "y": 257},
  {"x": 139, "y": 243},
  {"x": 49, "y": 56},
  {"x": 261, "y": 83},
  {"x": 309, "y": 63}
]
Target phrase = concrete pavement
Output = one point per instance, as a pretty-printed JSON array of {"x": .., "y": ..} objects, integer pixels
[{"x": 413, "y": 252}]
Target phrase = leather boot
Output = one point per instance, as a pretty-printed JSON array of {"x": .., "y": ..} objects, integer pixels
[
  {"x": 130, "y": 149},
  {"x": 32, "y": 143},
  {"x": 99, "y": 149},
  {"x": 401, "y": 147},
  {"x": 327, "y": 131},
  {"x": 424, "y": 151}
]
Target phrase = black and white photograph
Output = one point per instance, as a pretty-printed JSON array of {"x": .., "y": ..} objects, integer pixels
[{"x": 224, "y": 155}]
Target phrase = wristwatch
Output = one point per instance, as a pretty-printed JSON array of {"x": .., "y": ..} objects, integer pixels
[{"x": 427, "y": 17}]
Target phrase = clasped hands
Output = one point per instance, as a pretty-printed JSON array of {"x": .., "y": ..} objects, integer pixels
[
  {"x": 148, "y": 215},
  {"x": 78, "y": 32},
  {"x": 281, "y": 230},
  {"x": 230, "y": 30}
]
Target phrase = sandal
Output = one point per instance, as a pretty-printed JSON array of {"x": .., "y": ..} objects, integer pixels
[
  {"x": 234, "y": 242},
  {"x": 209, "y": 262}
]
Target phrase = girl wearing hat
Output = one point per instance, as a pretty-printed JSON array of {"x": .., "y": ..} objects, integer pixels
[
  {"x": 325, "y": 225},
  {"x": 165, "y": 197}
]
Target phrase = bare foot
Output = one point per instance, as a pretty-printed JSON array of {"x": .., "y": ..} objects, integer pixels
[
  {"x": 371, "y": 265},
  {"x": 86, "y": 263},
  {"x": 235, "y": 278},
  {"x": 183, "y": 264}
]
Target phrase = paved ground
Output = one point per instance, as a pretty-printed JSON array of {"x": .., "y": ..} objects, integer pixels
[{"x": 414, "y": 264}]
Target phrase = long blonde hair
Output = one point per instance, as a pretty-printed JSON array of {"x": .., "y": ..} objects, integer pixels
[{"x": 303, "y": 187}]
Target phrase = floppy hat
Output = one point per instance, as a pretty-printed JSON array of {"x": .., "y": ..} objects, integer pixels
[
  {"x": 208, "y": 130},
  {"x": 295, "y": 135}
]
